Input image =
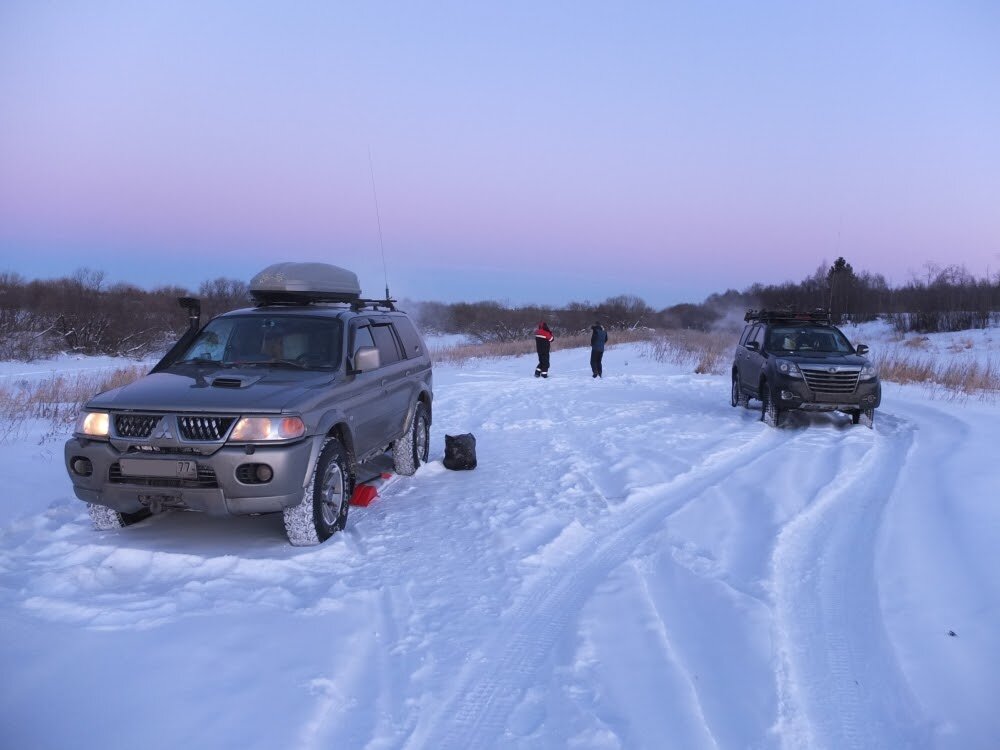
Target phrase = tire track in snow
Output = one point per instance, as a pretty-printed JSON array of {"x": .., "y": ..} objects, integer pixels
[
  {"x": 837, "y": 681},
  {"x": 475, "y": 714}
]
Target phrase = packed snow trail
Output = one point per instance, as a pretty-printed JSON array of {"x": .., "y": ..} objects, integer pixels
[
  {"x": 633, "y": 564},
  {"x": 839, "y": 684}
]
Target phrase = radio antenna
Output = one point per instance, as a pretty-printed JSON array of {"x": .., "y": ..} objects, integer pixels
[{"x": 378, "y": 219}]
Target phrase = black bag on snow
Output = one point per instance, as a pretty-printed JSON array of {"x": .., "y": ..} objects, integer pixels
[{"x": 460, "y": 451}]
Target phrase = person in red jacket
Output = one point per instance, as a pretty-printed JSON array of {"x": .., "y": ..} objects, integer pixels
[{"x": 543, "y": 343}]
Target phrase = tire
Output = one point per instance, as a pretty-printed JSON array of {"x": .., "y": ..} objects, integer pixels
[
  {"x": 738, "y": 397},
  {"x": 411, "y": 450},
  {"x": 770, "y": 414},
  {"x": 864, "y": 416},
  {"x": 108, "y": 519},
  {"x": 325, "y": 502}
]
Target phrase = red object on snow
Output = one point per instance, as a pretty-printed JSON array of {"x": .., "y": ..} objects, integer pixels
[
  {"x": 386, "y": 475},
  {"x": 363, "y": 495}
]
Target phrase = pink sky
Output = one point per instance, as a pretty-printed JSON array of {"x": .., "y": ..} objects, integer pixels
[{"x": 522, "y": 152}]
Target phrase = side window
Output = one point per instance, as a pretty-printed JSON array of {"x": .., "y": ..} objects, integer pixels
[
  {"x": 362, "y": 337},
  {"x": 385, "y": 340},
  {"x": 744, "y": 336},
  {"x": 412, "y": 345}
]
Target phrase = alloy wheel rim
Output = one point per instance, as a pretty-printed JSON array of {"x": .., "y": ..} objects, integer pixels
[{"x": 332, "y": 496}]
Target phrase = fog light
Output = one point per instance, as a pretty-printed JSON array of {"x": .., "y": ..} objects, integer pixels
[
  {"x": 82, "y": 466},
  {"x": 787, "y": 395},
  {"x": 263, "y": 473}
]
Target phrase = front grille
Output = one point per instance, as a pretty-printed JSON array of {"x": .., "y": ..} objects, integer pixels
[
  {"x": 822, "y": 380},
  {"x": 204, "y": 428},
  {"x": 135, "y": 425},
  {"x": 206, "y": 479}
]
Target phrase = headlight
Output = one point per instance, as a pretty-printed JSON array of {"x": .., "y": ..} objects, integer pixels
[
  {"x": 93, "y": 424},
  {"x": 869, "y": 372},
  {"x": 789, "y": 368},
  {"x": 252, "y": 429}
]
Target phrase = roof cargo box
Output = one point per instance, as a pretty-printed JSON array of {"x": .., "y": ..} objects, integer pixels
[{"x": 300, "y": 283}]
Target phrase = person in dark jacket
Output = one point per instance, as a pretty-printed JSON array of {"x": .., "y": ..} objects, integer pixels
[
  {"x": 598, "y": 338},
  {"x": 543, "y": 343}
]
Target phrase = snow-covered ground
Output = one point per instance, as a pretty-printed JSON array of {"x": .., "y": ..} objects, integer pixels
[
  {"x": 981, "y": 345},
  {"x": 634, "y": 564}
]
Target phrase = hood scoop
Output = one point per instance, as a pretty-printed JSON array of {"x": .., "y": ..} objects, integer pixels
[{"x": 235, "y": 382}]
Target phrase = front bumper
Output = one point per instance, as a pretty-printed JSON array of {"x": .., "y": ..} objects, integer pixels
[
  {"x": 794, "y": 393},
  {"x": 217, "y": 490}
]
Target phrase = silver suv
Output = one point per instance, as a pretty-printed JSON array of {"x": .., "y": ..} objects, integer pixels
[{"x": 278, "y": 407}]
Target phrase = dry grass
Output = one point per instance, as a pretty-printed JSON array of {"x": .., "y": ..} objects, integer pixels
[
  {"x": 917, "y": 342},
  {"x": 951, "y": 378},
  {"x": 463, "y": 353},
  {"x": 706, "y": 353},
  {"x": 56, "y": 400}
]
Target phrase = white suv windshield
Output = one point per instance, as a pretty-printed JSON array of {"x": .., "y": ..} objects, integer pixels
[{"x": 308, "y": 343}]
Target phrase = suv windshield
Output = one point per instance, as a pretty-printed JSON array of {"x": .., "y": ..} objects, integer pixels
[
  {"x": 807, "y": 339},
  {"x": 307, "y": 343}
]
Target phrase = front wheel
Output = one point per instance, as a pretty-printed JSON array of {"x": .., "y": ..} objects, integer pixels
[
  {"x": 411, "y": 450},
  {"x": 770, "y": 414},
  {"x": 109, "y": 519},
  {"x": 325, "y": 502},
  {"x": 865, "y": 416}
]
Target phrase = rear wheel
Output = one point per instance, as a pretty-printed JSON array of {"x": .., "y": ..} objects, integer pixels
[
  {"x": 325, "y": 502},
  {"x": 411, "y": 450},
  {"x": 738, "y": 397},
  {"x": 770, "y": 414}
]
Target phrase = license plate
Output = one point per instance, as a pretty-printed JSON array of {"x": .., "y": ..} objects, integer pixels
[{"x": 139, "y": 467}]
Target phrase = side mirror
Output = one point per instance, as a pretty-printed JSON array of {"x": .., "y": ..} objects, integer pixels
[
  {"x": 753, "y": 346},
  {"x": 366, "y": 358},
  {"x": 861, "y": 348}
]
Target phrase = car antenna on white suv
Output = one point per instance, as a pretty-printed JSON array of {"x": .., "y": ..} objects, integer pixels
[{"x": 378, "y": 219}]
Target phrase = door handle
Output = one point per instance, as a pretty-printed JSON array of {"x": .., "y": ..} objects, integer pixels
[{"x": 384, "y": 381}]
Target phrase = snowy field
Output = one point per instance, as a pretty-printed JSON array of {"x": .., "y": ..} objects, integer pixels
[{"x": 634, "y": 564}]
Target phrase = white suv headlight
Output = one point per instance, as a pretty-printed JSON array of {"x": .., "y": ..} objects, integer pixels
[
  {"x": 254, "y": 429},
  {"x": 869, "y": 372},
  {"x": 93, "y": 424}
]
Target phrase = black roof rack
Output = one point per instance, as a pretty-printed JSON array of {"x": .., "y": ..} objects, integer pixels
[
  {"x": 375, "y": 304},
  {"x": 273, "y": 299},
  {"x": 818, "y": 315}
]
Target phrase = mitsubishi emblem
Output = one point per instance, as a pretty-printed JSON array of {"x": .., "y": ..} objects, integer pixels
[{"x": 162, "y": 431}]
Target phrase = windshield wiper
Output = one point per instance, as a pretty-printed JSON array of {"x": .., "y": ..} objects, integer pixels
[
  {"x": 270, "y": 363},
  {"x": 201, "y": 361}
]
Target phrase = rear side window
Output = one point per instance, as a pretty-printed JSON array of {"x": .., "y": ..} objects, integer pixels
[
  {"x": 412, "y": 345},
  {"x": 385, "y": 340}
]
